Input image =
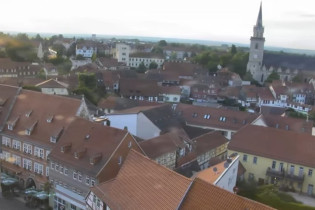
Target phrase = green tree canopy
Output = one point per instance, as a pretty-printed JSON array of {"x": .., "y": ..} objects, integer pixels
[
  {"x": 141, "y": 68},
  {"x": 87, "y": 80},
  {"x": 273, "y": 76},
  {"x": 153, "y": 65},
  {"x": 233, "y": 49},
  {"x": 162, "y": 43}
]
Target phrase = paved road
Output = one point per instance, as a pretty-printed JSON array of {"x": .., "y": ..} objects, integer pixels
[{"x": 12, "y": 203}]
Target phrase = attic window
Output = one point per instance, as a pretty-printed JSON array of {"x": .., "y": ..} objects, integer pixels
[
  {"x": 78, "y": 154},
  {"x": 119, "y": 160},
  {"x": 222, "y": 119},
  {"x": 50, "y": 118},
  {"x": 129, "y": 144},
  {"x": 65, "y": 148},
  {"x": 194, "y": 115},
  {"x": 96, "y": 158},
  {"x": 28, "y": 114},
  {"x": 87, "y": 136},
  {"x": 12, "y": 123},
  {"x": 29, "y": 130},
  {"x": 54, "y": 138},
  {"x": 207, "y": 116}
]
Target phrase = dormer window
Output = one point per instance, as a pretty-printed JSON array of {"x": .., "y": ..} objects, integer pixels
[
  {"x": 65, "y": 148},
  {"x": 119, "y": 160},
  {"x": 54, "y": 138},
  {"x": 222, "y": 119},
  {"x": 12, "y": 123},
  {"x": 29, "y": 130},
  {"x": 96, "y": 158},
  {"x": 80, "y": 153},
  {"x": 50, "y": 118},
  {"x": 207, "y": 116},
  {"x": 194, "y": 115},
  {"x": 28, "y": 114}
]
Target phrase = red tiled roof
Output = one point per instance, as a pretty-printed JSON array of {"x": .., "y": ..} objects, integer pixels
[
  {"x": 203, "y": 195},
  {"x": 163, "y": 144},
  {"x": 41, "y": 106},
  {"x": 51, "y": 83},
  {"x": 143, "y": 184},
  {"x": 94, "y": 138},
  {"x": 276, "y": 144},
  {"x": 195, "y": 115},
  {"x": 7, "y": 95}
]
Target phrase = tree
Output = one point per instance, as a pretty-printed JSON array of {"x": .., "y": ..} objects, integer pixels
[
  {"x": 162, "y": 43},
  {"x": 94, "y": 57},
  {"x": 233, "y": 49},
  {"x": 153, "y": 65},
  {"x": 273, "y": 76},
  {"x": 141, "y": 68},
  {"x": 87, "y": 80}
]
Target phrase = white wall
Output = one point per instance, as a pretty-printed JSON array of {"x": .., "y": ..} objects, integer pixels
[
  {"x": 122, "y": 120},
  {"x": 57, "y": 91},
  {"x": 146, "y": 129},
  {"x": 227, "y": 180}
]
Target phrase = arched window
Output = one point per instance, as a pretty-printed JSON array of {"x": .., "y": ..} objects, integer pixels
[{"x": 256, "y": 46}]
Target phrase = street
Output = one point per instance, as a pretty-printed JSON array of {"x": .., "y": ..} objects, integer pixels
[{"x": 12, "y": 203}]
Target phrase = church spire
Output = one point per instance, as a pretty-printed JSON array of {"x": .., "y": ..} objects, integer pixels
[{"x": 259, "y": 18}]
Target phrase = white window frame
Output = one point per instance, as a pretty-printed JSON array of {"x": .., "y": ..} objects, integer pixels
[
  {"x": 16, "y": 144},
  {"x": 47, "y": 171},
  {"x": 27, "y": 164}
]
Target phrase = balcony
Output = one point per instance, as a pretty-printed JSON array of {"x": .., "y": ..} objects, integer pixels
[
  {"x": 297, "y": 178},
  {"x": 275, "y": 173}
]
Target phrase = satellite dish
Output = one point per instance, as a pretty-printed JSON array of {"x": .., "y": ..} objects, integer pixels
[
  {"x": 215, "y": 169},
  {"x": 226, "y": 164}
]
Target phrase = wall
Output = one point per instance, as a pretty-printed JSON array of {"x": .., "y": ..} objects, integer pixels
[
  {"x": 120, "y": 121},
  {"x": 57, "y": 91},
  {"x": 145, "y": 128},
  {"x": 259, "y": 170},
  {"x": 227, "y": 180}
]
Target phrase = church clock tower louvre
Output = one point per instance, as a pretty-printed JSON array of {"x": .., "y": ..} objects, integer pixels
[{"x": 256, "y": 52}]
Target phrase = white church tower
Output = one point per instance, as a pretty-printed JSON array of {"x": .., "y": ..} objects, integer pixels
[{"x": 256, "y": 52}]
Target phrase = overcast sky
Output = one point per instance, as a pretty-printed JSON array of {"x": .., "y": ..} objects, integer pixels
[{"x": 287, "y": 23}]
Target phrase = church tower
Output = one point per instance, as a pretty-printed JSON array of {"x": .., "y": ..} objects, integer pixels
[{"x": 256, "y": 52}]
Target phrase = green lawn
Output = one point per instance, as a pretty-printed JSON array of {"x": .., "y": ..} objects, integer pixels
[{"x": 270, "y": 196}]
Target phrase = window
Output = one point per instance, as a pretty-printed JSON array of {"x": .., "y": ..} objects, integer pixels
[
  {"x": 38, "y": 168},
  {"x": 255, "y": 160},
  {"x": 73, "y": 207},
  {"x": 75, "y": 175},
  {"x": 250, "y": 176},
  {"x": 65, "y": 171},
  {"x": 92, "y": 182},
  {"x": 47, "y": 171},
  {"x": 310, "y": 172},
  {"x": 61, "y": 169},
  {"x": 245, "y": 158},
  {"x": 222, "y": 119},
  {"x": 6, "y": 141},
  {"x": 16, "y": 144},
  {"x": 87, "y": 180},
  {"x": 56, "y": 167},
  {"x": 273, "y": 164},
  {"x": 38, "y": 152},
  {"x": 27, "y": 148},
  {"x": 79, "y": 177},
  {"x": 119, "y": 160},
  {"x": 27, "y": 164},
  {"x": 17, "y": 160},
  {"x": 129, "y": 144}
]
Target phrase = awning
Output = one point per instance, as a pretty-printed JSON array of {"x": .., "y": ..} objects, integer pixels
[
  {"x": 30, "y": 191},
  {"x": 9, "y": 181},
  {"x": 42, "y": 195}
]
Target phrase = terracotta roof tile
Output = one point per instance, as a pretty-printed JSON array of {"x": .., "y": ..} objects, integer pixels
[
  {"x": 203, "y": 195},
  {"x": 94, "y": 138},
  {"x": 218, "y": 118},
  {"x": 276, "y": 144},
  {"x": 143, "y": 184},
  {"x": 41, "y": 107}
]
